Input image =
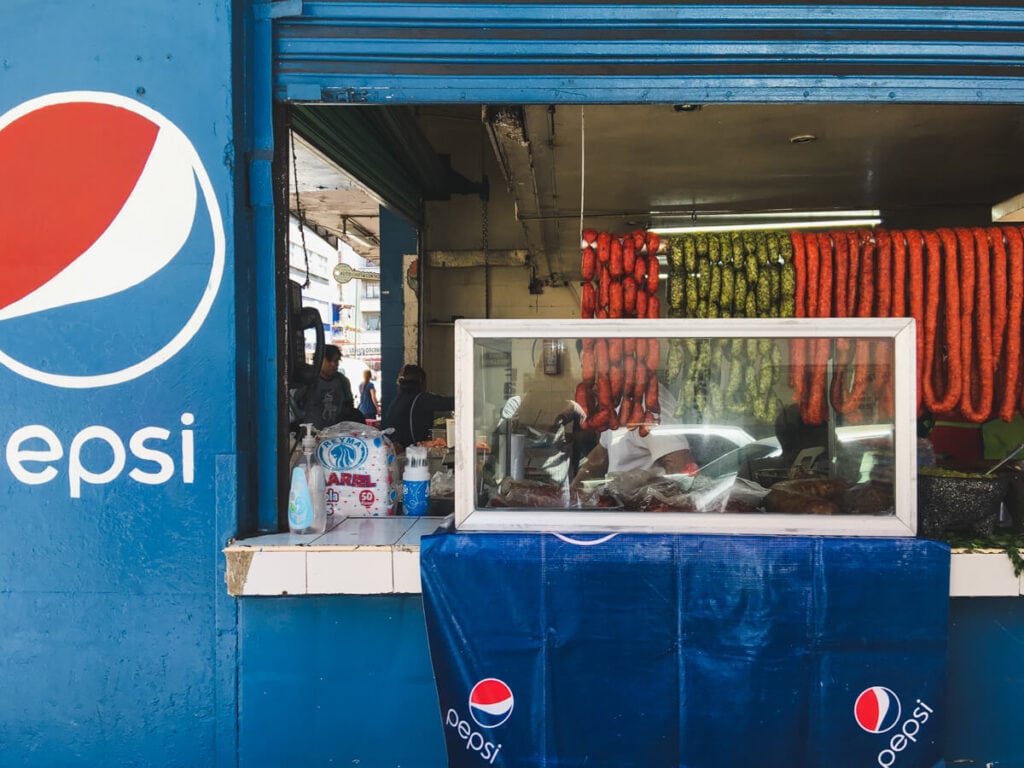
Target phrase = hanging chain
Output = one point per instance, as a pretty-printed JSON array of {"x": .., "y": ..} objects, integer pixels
[
  {"x": 485, "y": 246},
  {"x": 298, "y": 208},
  {"x": 484, "y": 234}
]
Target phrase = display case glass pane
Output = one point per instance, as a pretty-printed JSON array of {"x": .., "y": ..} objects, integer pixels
[{"x": 782, "y": 426}]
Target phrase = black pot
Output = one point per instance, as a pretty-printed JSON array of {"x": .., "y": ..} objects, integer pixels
[{"x": 961, "y": 507}]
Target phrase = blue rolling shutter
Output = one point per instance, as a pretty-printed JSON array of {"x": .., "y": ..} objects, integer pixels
[{"x": 416, "y": 52}]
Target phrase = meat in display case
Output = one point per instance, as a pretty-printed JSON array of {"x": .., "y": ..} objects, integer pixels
[{"x": 772, "y": 426}]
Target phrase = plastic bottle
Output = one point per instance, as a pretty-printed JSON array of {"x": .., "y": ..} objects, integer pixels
[
  {"x": 307, "y": 503},
  {"x": 416, "y": 481}
]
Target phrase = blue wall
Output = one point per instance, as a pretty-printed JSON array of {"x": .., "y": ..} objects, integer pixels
[
  {"x": 985, "y": 682},
  {"x": 117, "y": 640},
  {"x": 337, "y": 681}
]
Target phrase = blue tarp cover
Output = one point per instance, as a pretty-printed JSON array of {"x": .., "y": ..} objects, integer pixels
[{"x": 687, "y": 650}]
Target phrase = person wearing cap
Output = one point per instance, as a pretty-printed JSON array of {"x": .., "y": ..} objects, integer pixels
[{"x": 412, "y": 411}]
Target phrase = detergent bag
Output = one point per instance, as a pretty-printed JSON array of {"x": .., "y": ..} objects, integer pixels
[{"x": 359, "y": 467}]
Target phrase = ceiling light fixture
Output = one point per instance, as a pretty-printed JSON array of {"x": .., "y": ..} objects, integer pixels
[
  {"x": 352, "y": 230},
  {"x": 769, "y": 224},
  {"x": 803, "y": 138},
  {"x": 726, "y": 222}
]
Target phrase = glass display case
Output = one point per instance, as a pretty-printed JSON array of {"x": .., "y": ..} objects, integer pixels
[{"x": 775, "y": 426}]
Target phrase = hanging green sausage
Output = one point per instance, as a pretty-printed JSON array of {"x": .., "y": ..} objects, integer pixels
[
  {"x": 761, "y": 243},
  {"x": 787, "y": 303},
  {"x": 692, "y": 295},
  {"x": 689, "y": 253},
  {"x": 674, "y": 246},
  {"x": 752, "y": 272},
  {"x": 725, "y": 296},
  {"x": 674, "y": 364},
  {"x": 739, "y": 301},
  {"x": 702, "y": 243},
  {"x": 676, "y": 294}
]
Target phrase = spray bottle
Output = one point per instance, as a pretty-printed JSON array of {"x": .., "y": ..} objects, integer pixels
[
  {"x": 416, "y": 481},
  {"x": 307, "y": 502}
]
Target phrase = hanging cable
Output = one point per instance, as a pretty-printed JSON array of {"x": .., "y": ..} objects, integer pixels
[
  {"x": 484, "y": 224},
  {"x": 298, "y": 208},
  {"x": 583, "y": 164}
]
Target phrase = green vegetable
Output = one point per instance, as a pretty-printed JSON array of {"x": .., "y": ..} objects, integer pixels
[{"x": 1011, "y": 543}]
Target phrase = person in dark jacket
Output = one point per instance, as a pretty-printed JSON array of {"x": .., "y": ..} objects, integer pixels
[
  {"x": 329, "y": 399},
  {"x": 412, "y": 411}
]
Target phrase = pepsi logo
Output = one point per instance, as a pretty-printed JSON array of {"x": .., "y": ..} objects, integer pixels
[
  {"x": 490, "y": 702},
  {"x": 877, "y": 709},
  {"x": 113, "y": 245}
]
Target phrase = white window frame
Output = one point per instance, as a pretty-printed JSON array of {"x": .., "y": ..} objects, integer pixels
[{"x": 469, "y": 517}]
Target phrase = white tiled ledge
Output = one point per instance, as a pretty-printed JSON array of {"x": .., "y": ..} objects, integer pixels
[
  {"x": 983, "y": 573},
  {"x": 356, "y": 556},
  {"x": 381, "y": 555}
]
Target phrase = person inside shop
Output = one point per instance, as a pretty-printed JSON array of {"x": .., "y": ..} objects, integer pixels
[
  {"x": 412, "y": 411},
  {"x": 328, "y": 400},
  {"x": 624, "y": 450},
  {"x": 368, "y": 404}
]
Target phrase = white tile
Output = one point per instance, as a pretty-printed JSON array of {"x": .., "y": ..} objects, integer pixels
[
  {"x": 351, "y": 572},
  {"x": 986, "y": 574},
  {"x": 363, "y": 531},
  {"x": 276, "y": 573},
  {"x": 407, "y": 571}
]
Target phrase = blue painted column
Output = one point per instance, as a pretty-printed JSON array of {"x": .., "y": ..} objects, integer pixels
[{"x": 397, "y": 238}]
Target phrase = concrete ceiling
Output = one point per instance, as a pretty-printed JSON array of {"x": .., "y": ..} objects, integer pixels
[
  {"x": 332, "y": 203},
  {"x": 643, "y": 165}
]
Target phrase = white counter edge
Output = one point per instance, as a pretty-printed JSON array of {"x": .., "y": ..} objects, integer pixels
[{"x": 372, "y": 569}]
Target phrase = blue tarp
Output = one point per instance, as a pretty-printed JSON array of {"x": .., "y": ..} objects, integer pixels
[{"x": 687, "y": 650}]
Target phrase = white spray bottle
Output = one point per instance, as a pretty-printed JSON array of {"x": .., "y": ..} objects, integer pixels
[{"x": 307, "y": 502}]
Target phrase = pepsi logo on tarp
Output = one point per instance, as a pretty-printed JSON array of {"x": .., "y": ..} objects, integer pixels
[
  {"x": 877, "y": 709},
  {"x": 490, "y": 702},
  {"x": 113, "y": 244}
]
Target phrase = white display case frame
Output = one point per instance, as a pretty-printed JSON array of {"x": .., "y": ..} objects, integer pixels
[{"x": 470, "y": 517}]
